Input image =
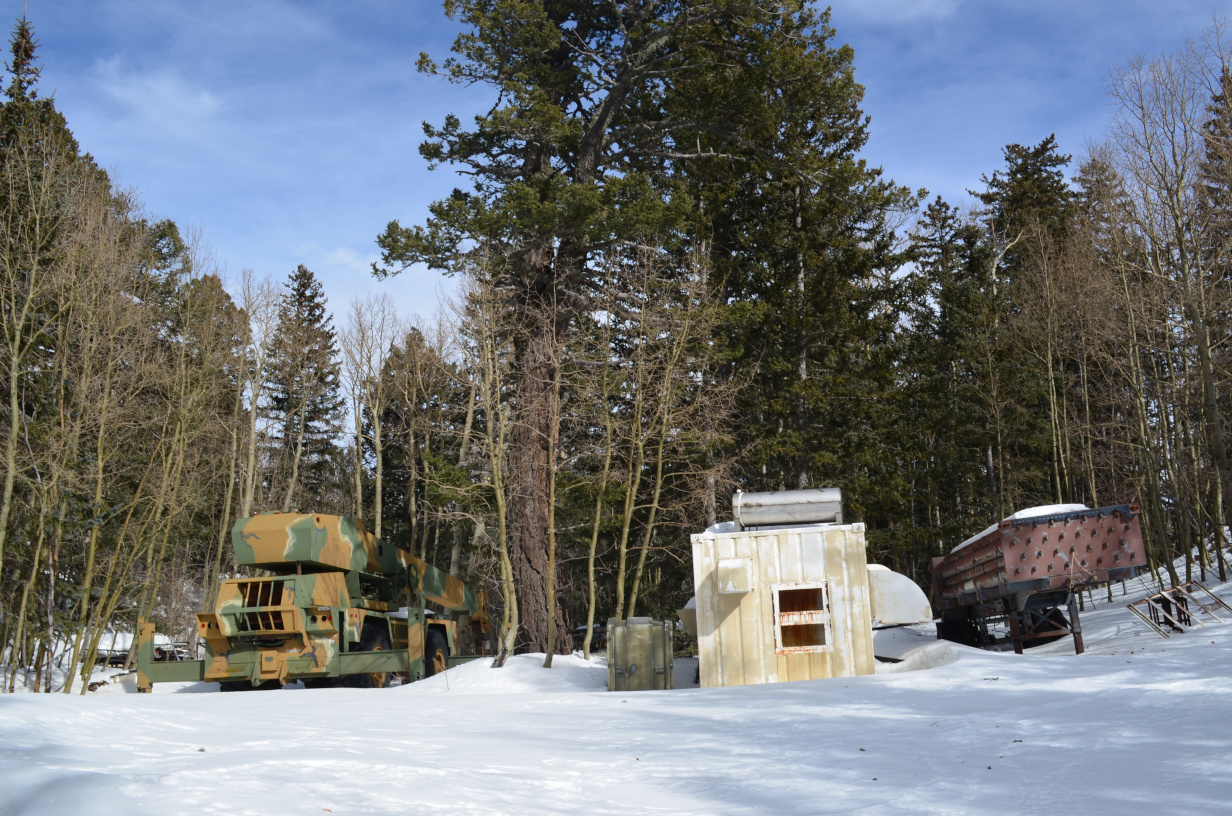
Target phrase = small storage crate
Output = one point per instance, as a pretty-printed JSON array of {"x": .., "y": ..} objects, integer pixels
[{"x": 639, "y": 654}]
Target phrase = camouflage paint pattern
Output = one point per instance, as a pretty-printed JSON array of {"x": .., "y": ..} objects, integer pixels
[
  {"x": 273, "y": 540},
  {"x": 292, "y": 621},
  {"x": 145, "y": 648},
  {"x": 306, "y": 619}
]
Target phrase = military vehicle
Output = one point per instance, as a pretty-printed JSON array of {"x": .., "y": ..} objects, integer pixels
[{"x": 329, "y": 604}]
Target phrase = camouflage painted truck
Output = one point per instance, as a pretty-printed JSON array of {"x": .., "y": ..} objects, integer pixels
[{"x": 331, "y": 605}]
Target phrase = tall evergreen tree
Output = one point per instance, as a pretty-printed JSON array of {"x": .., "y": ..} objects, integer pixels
[
  {"x": 797, "y": 229},
  {"x": 943, "y": 428},
  {"x": 603, "y": 111},
  {"x": 305, "y": 399},
  {"x": 40, "y": 168},
  {"x": 23, "y": 112},
  {"x": 1215, "y": 206},
  {"x": 1027, "y": 210},
  {"x": 1028, "y": 200}
]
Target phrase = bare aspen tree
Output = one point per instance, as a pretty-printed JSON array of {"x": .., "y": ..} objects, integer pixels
[
  {"x": 1159, "y": 149},
  {"x": 690, "y": 402},
  {"x": 486, "y": 321},
  {"x": 371, "y": 328},
  {"x": 259, "y": 298},
  {"x": 601, "y": 397},
  {"x": 34, "y": 187}
]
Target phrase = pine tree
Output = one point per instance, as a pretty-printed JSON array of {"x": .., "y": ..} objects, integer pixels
[
  {"x": 305, "y": 399},
  {"x": 1028, "y": 208},
  {"x": 23, "y": 112},
  {"x": 603, "y": 113},
  {"x": 945, "y": 430},
  {"x": 797, "y": 230},
  {"x": 1028, "y": 200},
  {"x": 1215, "y": 204}
]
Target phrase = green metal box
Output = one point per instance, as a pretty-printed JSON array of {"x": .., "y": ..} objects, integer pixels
[{"x": 639, "y": 654}]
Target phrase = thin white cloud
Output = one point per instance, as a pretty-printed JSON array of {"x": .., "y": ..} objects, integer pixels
[{"x": 160, "y": 98}]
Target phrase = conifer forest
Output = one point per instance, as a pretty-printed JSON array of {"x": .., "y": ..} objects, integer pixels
[{"x": 675, "y": 277}]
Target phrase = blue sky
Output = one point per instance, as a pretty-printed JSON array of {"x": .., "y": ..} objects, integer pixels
[{"x": 288, "y": 131}]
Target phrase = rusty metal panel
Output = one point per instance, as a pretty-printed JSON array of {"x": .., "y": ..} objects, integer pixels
[
  {"x": 1074, "y": 549},
  {"x": 741, "y": 636}
]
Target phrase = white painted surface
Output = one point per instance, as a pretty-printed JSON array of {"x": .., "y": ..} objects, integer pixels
[
  {"x": 895, "y": 599},
  {"x": 688, "y": 615}
]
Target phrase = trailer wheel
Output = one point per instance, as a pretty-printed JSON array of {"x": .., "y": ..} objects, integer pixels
[
  {"x": 374, "y": 638},
  {"x": 436, "y": 657}
]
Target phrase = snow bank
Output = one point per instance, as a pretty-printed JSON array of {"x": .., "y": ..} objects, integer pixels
[
  {"x": 1137, "y": 725},
  {"x": 929, "y": 656},
  {"x": 897, "y": 641},
  {"x": 521, "y": 674}
]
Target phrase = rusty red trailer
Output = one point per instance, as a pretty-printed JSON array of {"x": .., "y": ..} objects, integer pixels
[{"x": 1023, "y": 571}]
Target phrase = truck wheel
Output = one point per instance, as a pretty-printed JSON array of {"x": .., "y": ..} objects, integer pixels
[
  {"x": 436, "y": 657},
  {"x": 374, "y": 638}
]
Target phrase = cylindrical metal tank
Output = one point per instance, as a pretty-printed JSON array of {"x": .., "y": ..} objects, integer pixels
[{"x": 782, "y": 507}]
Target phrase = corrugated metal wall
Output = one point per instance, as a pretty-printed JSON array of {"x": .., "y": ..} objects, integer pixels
[{"x": 736, "y": 630}]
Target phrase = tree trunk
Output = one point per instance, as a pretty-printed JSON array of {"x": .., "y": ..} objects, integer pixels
[
  {"x": 553, "y": 442},
  {"x": 359, "y": 461},
  {"x": 212, "y": 580},
  {"x": 299, "y": 452},
  {"x": 10, "y": 453},
  {"x": 21, "y": 612},
  {"x": 802, "y": 414},
  {"x": 379, "y": 487},
  {"x": 594, "y": 530},
  {"x": 656, "y": 493},
  {"x": 529, "y": 475}
]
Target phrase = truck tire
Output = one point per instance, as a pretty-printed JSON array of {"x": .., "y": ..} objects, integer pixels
[
  {"x": 436, "y": 655},
  {"x": 374, "y": 638}
]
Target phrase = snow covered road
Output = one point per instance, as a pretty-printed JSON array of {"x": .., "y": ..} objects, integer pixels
[{"x": 1107, "y": 732}]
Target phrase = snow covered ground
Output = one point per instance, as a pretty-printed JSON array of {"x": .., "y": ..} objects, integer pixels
[{"x": 1137, "y": 725}]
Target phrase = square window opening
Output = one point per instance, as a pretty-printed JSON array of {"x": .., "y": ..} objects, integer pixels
[
  {"x": 804, "y": 636},
  {"x": 801, "y": 617},
  {"x": 807, "y": 599}
]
